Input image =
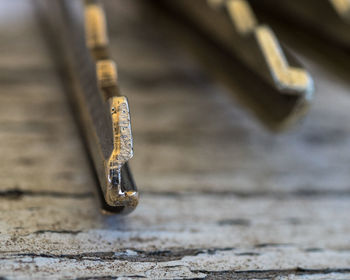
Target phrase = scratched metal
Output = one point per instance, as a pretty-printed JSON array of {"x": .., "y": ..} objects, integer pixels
[{"x": 91, "y": 76}]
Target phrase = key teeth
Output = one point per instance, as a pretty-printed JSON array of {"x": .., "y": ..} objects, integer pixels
[
  {"x": 342, "y": 8},
  {"x": 122, "y": 136},
  {"x": 121, "y": 154},
  {"x": 287, "y": 79},
  {"x": 115, "y": 197}
]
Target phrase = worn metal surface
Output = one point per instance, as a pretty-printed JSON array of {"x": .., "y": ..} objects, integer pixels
[
  {"x": 221, "y": 196},
  {"x": 234, "y": 26},
  {"x": 335, "y": 14},
  {"x": 90, "y": 75}
]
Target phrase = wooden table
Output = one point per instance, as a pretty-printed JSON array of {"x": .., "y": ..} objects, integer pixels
[{"x": 221, "y": 197}]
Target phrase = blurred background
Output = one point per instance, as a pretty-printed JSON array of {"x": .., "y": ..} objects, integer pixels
[{"x": 216, "y": 165}]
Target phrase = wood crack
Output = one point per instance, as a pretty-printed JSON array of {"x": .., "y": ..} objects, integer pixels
[
  {"x": 134, "y": 255},
  {"x": 73, "y": 232},
  {"x": 18, "y": 194},
  {"x": 130, "y": 255},
  {"x": 301, "y": 193},
  {"x": 111, "y": 277},
  {"x": 267, "y": 274}
]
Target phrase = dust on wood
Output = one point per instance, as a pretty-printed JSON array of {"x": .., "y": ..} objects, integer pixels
[{"x": 220, "y": 196}]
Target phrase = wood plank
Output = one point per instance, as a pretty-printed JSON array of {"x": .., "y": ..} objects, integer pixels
[
  {"x": 188, "y": 221},
  {"x": 220, "y": 196},
  {"x": 35, "y": 119}
]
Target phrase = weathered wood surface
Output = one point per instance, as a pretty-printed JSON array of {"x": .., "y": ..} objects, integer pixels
[{"x": 220, "y": 196}]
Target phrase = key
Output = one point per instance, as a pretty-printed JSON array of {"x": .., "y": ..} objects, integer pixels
[
  {"x": 233, "y": 26},
  {"x": 79, "y": 42}
]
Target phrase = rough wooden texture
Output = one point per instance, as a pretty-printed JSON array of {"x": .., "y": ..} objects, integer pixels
[{"x": 220, "y": 196}]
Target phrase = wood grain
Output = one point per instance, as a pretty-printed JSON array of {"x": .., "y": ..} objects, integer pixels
[{"x": 220, "y": 196}]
